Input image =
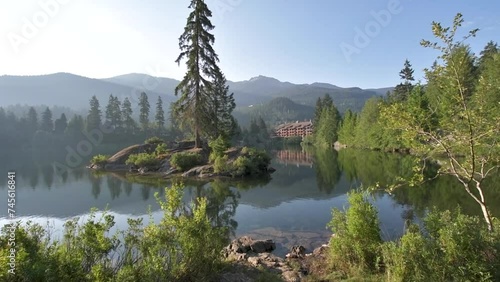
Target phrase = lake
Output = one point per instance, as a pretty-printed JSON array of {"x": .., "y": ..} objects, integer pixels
[{"x": 292, "y": 207}]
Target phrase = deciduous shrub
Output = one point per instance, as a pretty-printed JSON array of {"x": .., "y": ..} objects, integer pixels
[
  {"x": 221, "y": 165},
  {"x": 154, "y": 140},
  {"x": 451, "y": 247},
  {"x": 142, "y": 160},
  {"x": 99, "y": 159},
  {"x": 185, "y": 160},
  {"x": 161, "y": 149},
  {"x": 355, "y": 246},
  {"x": 251, "y": 162},
  {"x": 184, "y": 246}
]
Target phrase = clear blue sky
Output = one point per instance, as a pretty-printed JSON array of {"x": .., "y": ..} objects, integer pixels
[{"x": 292, "y": 40}]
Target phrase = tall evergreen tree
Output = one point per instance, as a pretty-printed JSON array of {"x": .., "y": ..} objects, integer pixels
[
  {"x": 144, "y": 111},
  {"x": 328, "y": 126},
  {"x": 61, "y": 124},
  {"x": 113, "y": 112},
  {"x": 128, "y": 121},
  {"x": 94, "y": 116},
  {"x": 160, "y": 115},
  {"x": 487, "y": 54},
  {"x": 75, "y": 125},
  {"x": 263, "y": 130},
  {"x": 347, "y": 130},
  {"x": 317, "y": 111},
  {"x": 47, "y": 123},
  {"x": 32, "y": 120},
  {"x": 194, "y": 104},
  {"x": 403, "y": 90},
  {"x": 327, "y": 101},
  {"x": 222, "y": 106}
]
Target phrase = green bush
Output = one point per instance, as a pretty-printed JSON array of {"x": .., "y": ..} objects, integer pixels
[
  {"x": 354, "y": 248},
  {"x": 218, "y": 147},
  {"x": 142, "y": 160},
  {"x": 251, "y": 162},
  {"x": 452, "y": 247},
  {"x": 183, "y": 246},
  {"x": 221, "y": 165},
  {"x": 154, "y": 140},
  {"x": 185, "y": 160},
  {"x": 99, "y": 159},
  {"x": 161, "y": 149}
]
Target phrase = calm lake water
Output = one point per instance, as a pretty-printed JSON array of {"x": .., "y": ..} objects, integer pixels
[{"x": 292, "y": 207}]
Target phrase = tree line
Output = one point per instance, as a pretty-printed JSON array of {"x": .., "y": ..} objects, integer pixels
[{"x": 454, "y": 117}]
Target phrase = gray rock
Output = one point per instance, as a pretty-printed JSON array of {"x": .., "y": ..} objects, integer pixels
[
  {"x": 291, "y": 276},
  {"x": 197, "y": 171},
  {"x": 262, "y": 246},
  {"x": 171, "y": 171},
  {"x": 165, "y": 166},
  {"x": 297, "y": 252},
  {"x": 255, "y": 261}
]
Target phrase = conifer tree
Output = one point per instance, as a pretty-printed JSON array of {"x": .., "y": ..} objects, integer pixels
[
  {"x": 94, "y": 116},
  {"x": 160, "y": 115},
  {"x": 60, "y": 124},
  {"x": 222, "y": 106},
  {"x": 126, "y": 113},
  {"x": 194, "y": 105},
  {"x": 113, "y": 112},
  {"x": 32, "y": 120},
  {"x": 144, "y": 111},
  {"x": 403, "y": 90},
  {"x": 47, "y": 122}
]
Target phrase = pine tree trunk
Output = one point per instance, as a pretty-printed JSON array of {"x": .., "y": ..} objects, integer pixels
[{"x": 197, "y": 140}]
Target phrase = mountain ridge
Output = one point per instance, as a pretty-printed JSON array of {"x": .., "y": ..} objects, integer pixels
[{"x": 75, "y": 91}]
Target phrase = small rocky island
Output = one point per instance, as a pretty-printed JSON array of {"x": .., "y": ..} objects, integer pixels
[{"x": 170, "y": 159}]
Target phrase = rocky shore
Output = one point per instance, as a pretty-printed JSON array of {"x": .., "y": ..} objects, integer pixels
[{"x": 248, "y": 256}]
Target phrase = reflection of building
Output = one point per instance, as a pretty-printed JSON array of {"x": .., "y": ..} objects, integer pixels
[
  {"x": 294, "y": 157},
  {"x": 295, "y": 129}
]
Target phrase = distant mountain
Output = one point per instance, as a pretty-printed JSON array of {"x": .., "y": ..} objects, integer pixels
[
  {"x": 278, "y": 110},
  {"x": 62, "y": 89},
  {"x": 69, "y": 90},
  {"x": 381, "y": 91},
  {"x": 163, "y": 85}
]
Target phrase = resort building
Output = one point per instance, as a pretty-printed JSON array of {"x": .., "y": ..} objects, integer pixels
[{"x": 295, "y": 129}]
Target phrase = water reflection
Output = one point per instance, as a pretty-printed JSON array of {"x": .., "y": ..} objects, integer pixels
[{"x": 297, "y": 197}]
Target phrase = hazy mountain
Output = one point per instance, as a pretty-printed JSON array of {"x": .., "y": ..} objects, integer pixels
[
  {"x": 163, "y": 85},
  {"x": 69, "y": 90},
  {"x": 63, "y": 89},
  {"x": 278, "y": 110},
  {"x": 381, "y": 91}
]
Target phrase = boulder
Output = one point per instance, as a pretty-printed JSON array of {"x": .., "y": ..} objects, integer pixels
[
  {"x": 198, "y": 171},
  {"x": 297, "y": 252},
  {"x": 271, "y": 169},
  {"x": 122, "y": 156},
  {"x": 165, "y": 166},
  {"x": 255, "y": 261},
  {"x": 262, "y": 246}
]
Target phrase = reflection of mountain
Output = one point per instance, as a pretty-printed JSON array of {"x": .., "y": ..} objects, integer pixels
[{"x": 294, "y": 157}]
